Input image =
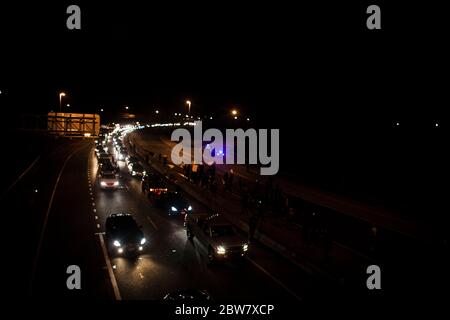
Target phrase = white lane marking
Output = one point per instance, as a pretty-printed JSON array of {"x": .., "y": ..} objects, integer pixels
[
  {"x": 98, "y": 226},
  {"x": 152, "y": 223},
  {"x": 96, "y": 217},
  {"x": 95, "y": 210},
  {"x": 274, "y": 279},
  {"x": 93, "y": 204},
  {"x": 21, "y": 176},
  {"x": 44, "y": 225},
  {"x": 112, "y": 277}
]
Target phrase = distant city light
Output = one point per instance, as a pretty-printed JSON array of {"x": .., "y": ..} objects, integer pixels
[
  {"x": 235, "y": 118},
  {"x": 126, "y": 107},
  {"x": 210, "y": 118},
  {"x": 176, "y": 113},
  {"x": 68, "y": 104},
  {"x": 101, "y": 110},
  {"x": 248, "y": 119},
  {"x": 397, "y": 124},
  {"x": 437, "y": 124},
  {"x": 234, "y": 112},
  {"x": 157, "y": 111}
]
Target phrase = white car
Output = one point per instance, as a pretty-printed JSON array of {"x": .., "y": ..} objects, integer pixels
[{"x": 108, "y": 181}]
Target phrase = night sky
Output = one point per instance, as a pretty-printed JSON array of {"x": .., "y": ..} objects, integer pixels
[
  {"x": 335, "y": 88},
  {"x": 311, "y": 60}
]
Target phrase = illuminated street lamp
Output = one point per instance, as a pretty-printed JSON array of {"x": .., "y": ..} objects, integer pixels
[
  {"x": 61, "y": 94},
  {"x": 188, "y": 102},
  {"x": 234, "y": 112}
]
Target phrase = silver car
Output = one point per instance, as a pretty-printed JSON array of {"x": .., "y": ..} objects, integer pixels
[
  {"x": 108, "y": 181},
  {"x": 217, "y": 236}
]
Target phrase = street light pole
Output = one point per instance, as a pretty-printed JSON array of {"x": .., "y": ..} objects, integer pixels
[
  {"x": 188, "y": 102},
  {"x": 61, "y": 94}
]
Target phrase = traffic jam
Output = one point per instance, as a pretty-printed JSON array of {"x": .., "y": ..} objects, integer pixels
[{"x": 124, "y": 236}]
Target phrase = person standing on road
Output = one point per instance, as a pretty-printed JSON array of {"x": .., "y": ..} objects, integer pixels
[
  {"x": 244, "y": 203},
  {"x": 225, "y": 180},
  {"x": 253, "y": 221},
  {"x": 230, "y": 180},
  {"x": 144, "y": 184}
]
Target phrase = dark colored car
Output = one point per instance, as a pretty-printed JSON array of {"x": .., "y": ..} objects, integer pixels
[
  {"x": 131, "y": 159},
  {"x": 188, "y": 295},
  {"x": 104, "y": 161},
  {"x": 154, "y": 185},
  {"x": 123, "y": 234},
  {"x": 101, "y": 153},
  {"x": 174, "y": 203},
  {"x": 106, "y": 166},
  {"x": 136, "y": 169}
]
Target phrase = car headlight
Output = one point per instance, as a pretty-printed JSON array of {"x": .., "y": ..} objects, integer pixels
[
  {"x": 116, "y": 183},
  {"x": 220, "y": 250},
  {"x": 245, "y": 247},
  {"x": 143, "y": 240},
  {"x": 174, "y": 209},
  {"x": 103, "y": 183},
  {"x": 116, "y": 243},
  {"x": 189, "y": 208}
]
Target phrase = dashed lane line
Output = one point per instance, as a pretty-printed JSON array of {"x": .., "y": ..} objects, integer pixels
[{"x": 112, "y": 277}]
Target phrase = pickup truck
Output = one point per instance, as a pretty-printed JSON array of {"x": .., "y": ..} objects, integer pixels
[{"x": 216, "y": 236}]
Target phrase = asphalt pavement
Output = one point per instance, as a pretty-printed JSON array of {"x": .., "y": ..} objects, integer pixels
[{"x": 65, "y": 221}]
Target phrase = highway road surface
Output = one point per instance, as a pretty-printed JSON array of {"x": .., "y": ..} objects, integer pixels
[{"x": 62, "y": 211}]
